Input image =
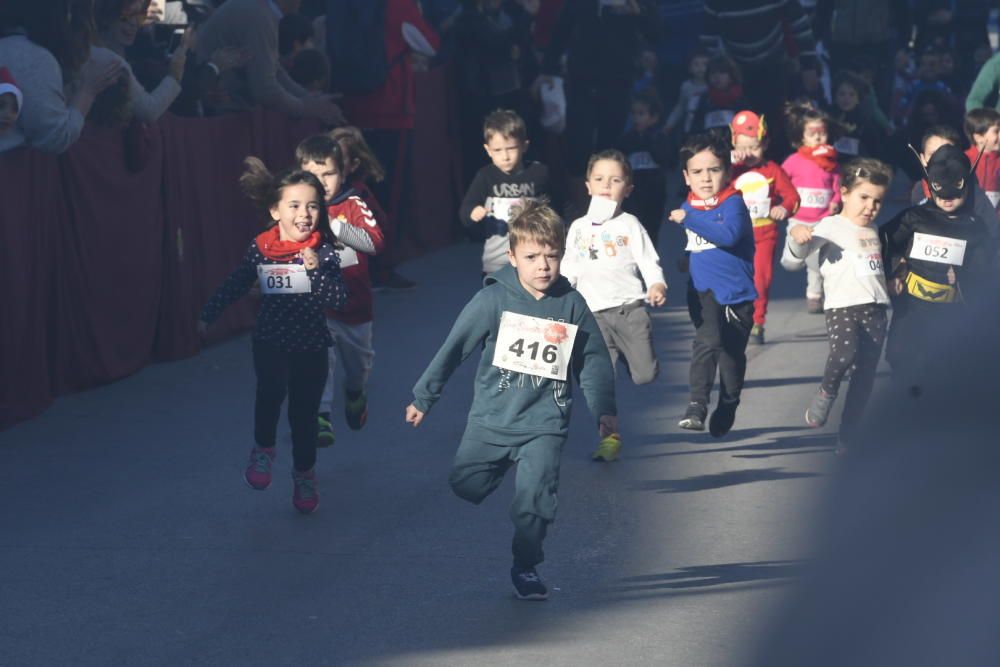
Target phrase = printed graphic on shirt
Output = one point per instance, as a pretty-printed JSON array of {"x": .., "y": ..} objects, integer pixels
[
  {"x": 598, "y": 245},
  {"x": 502, "y": 208}
]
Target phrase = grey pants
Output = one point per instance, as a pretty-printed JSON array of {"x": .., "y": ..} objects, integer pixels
[
  {"x": 479, "y": 467},
  {"x": 628, "y": 333}
]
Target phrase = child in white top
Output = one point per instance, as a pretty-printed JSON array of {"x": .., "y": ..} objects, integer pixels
[
  {"x": 848, "y": 252},
  {"x": 611, "y": 261}
]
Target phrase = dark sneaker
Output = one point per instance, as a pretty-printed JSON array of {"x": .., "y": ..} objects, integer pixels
[
  {"x": 757, "y": 334},
  {"x": 694, "y": 417},
  {"x": 305, "y": 497},
  {"x": 722, "y": 418},
  {"x": 819, "y": 409},
  {"x": 527, "y": 584},
  {"x": 356, "y": 411},
  {"x": 324, "y": 437},
  {"x": 258, "y": 472},
  {"x": 394, "y": 281},
  {"x": 814, "y": 306}
]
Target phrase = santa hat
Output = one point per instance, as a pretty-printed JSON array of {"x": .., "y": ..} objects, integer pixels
[
  {"x": 749, "y": 124},
  {"x": 8, "y": 85}
]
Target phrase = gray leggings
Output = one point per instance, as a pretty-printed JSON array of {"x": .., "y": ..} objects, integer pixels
[{"x": 857, "y": 334}]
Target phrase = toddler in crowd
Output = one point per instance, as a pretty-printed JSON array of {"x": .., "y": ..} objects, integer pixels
[
  {"x": 645, "y": 144},
  {"x": 856, "y": 298},
  {"x": 721, "y": 292},
  {"x": 769, "y": 196},
  {"x": 504, "y": 183},
  {"x": 982, "y": 128},
  {"x": 724, "y": 96},
  {"x": 858, "y": 135},
  {"x": 682, "y": 115},
  {"x": 612, "y": 262},
  {"x": 11, "y": 100},
  {"x": 298, "y": 270},
  {"x": 812, "y": 169},
  {"x": 358, "y": 237}
]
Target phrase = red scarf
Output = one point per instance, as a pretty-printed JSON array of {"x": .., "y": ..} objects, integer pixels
[
  {"x": 271, "y": 246},
  {"x": 709, "y": 204},
  {"x": 824, "y": 155},
  {"x": 725, "y": 99}
]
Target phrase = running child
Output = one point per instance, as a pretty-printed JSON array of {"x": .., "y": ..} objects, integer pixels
[
  {"x": 504, "y": 183},
  {"x": 647, "y": 147},
  {"x": 770, "y": 198},
  {"x": 299, "y": 274},
  {"x": 354, "y": 226},
  {"x": 934, "y": 138},
  {"x": 533, "y": 330},
  {"x": 812, "y": 169},
  {"x": 613, "y": 263},
  {"x": 856, "y": 298},
  {"x": 721, "y": 291},
  {"x": 982, "y": 128},
  {"x": 691, "y": 91}
]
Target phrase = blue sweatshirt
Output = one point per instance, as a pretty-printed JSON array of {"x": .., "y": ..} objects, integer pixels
[
  {"x": 510, "y": 404},
  {"x": 727, "y": 269}
]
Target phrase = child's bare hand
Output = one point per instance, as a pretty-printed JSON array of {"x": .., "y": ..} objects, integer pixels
[
  {"x": 478, "y": 213},
  {"x": 414, "y": 416},
  {"x": 309, "y": 258},
  {"x": 677, "y": 215},
  {"x": 778, "y": 213},
  {"x": 801, "y": 233},
  {"x": 657, "y": 295},
  {"x": 951, "y": 275},
  {"x": 896, "y": 286},
  {"x": 607, "y": 425},
  {"x": 737, "y": 157}
]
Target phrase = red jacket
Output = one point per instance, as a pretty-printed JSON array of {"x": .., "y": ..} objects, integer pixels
[
  {"x": 780, "y": 190},
  {"x": 393, "y": 106},
  {"x": 987, "y": 171},
  {"x": 352, "y": 210}
]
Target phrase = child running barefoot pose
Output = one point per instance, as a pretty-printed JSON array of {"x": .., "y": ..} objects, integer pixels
[
  {"x": 359, "y": 236},
  {"x": 813, "y": 171},
  {"x": 534, "y": 330},
  {"x": 849, "y": 256},
  {"x": 770, "y": 198},
  {"x": 721, "y": 293},
  {"x": 610, "y": 259},
  {"x": 299, "y": 274}
]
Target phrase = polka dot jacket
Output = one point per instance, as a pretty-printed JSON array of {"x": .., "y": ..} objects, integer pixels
[{"x": 290, "y": 322}]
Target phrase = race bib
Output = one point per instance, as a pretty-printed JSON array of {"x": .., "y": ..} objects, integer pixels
[
  {"x": 940, "y": 249},
  {"x": 758, "y": 208},
  {"x": 642, "y": 160},
  {"x": 718, "y": 118},
  {"x": 815, "y": 197},
  {"x": 994, "y": 197},
  {"x": 283, "y": 279},
  {"x": 868, "y": 264},
  {"x": 697, "y": 243},
  {"x": 348, "y": 257},
  {"x": 848, "y": 146},
  {"x": 500, "y": 207},
  {"x": 534, "y": 346}
]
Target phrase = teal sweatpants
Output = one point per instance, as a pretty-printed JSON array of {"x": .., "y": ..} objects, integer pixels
[{"x": 479, "y": 467}]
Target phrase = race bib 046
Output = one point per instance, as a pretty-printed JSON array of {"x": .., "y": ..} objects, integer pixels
[
  {"x": 283, "y": 279},
  {"x": 534, "y": 346},
  {"x": 868, "y": 264},
  {"x": 940, "y": 249},
  {"x": 697, "y": 243},
  {"x": 815, "y": 197}
]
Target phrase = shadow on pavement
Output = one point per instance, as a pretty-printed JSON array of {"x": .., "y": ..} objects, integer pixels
[{"x": 719, "y": 480}]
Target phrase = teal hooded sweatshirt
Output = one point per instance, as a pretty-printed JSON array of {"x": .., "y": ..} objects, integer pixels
[{"x": 509, "y": 404}]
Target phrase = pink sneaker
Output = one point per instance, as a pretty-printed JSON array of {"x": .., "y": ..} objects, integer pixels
[
  {"x": 306, "y": 497},
  {"x": 258, "y": 472}
]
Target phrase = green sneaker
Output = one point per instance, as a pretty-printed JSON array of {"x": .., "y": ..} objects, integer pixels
[
  {"x": 608, "y": 449},
  {"x": 356, "y": 410},
  {"x": 325, "y": 436}
]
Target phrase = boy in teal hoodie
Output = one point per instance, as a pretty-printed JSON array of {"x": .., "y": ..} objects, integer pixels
[{"x": 534, "y": 330}]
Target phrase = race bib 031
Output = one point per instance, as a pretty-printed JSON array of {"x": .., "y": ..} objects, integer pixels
[
  {"x": 940, "y": 249},
  {"x": 534, "y": 346},
  {"x": 283, "y": 279}
]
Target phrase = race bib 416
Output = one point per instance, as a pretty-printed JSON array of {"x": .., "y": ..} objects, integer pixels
[{"x": 534, "y": 346}]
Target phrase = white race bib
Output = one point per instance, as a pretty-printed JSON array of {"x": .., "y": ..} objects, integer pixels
[
  {"x": 848, "y": 146},
  {"x": 758, "y": 208},
  {"x": 940, "y": 249},
  {"x": 348, "y": 257},
  {"x": 994, "y": 197},
  {"x": 697, "y": 243},
  {"x": 718, "y": 118},
  {"x": 642, "y": 160},
  {"x": 814, "y": 197},
  {"x": 534, "y": 346},
  {"x": 499, "y": 207},
  {"x": 868, "y": 264},
  {"x": 283, "y": 279}
]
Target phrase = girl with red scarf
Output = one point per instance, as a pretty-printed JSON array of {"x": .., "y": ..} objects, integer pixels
[
  {"x": 812, "y": 169},
  {"x": 724, "y": 96},
  {"x": 299, "y": 274}
]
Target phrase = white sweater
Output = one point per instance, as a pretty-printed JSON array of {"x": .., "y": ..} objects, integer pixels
[
  {"x": 147, "y": 106},
  {"x": 850, "y": 260},
  {"x": 609, "y": 262}
]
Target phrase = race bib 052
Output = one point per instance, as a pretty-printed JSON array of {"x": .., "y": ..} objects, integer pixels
[{"x": 940, "y": 249}]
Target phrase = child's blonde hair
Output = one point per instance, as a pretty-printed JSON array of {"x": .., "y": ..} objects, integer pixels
[
  {"x": 537, "y": 222},
  {"x": 865, "y": 170},
  {"x": 356, "y": 148}
]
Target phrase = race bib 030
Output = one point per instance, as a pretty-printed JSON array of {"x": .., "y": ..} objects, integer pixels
[
  {"x": 697, "y": 243},
  {"x": 283, "y": 279},
  {"x": 940, "y": 249},
  {"x": 815, "y": 197},
  {"x": 534, "y": 346}
]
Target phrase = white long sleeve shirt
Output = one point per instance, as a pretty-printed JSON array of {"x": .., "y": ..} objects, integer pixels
[{"x": 611, "y": 263}]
